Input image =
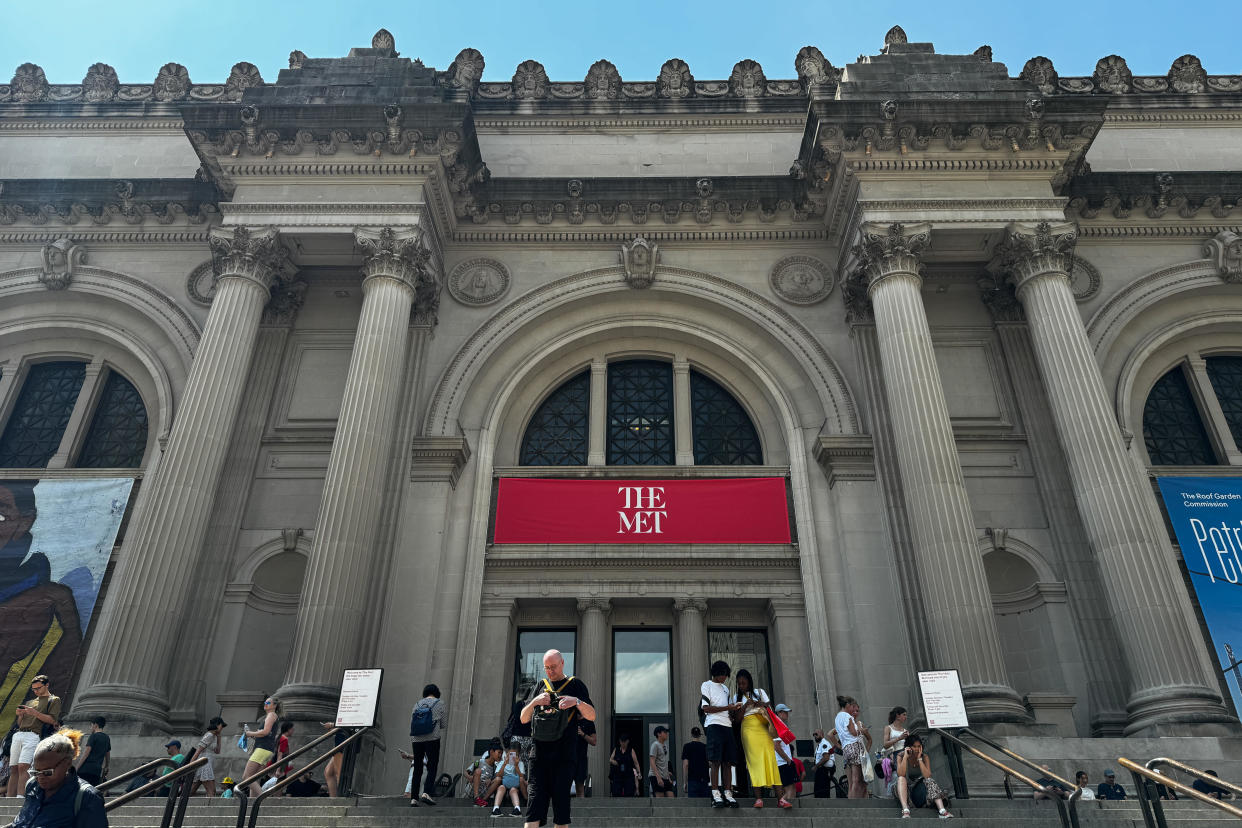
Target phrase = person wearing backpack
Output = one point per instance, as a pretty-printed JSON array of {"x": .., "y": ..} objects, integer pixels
[
  {"x": 426, "y": 725},
  {"x": 56, "y": 797},
  {"x": 554, "y": 715}
]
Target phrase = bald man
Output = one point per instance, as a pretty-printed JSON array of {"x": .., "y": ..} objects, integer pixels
[{"x": 554, "y": 715}]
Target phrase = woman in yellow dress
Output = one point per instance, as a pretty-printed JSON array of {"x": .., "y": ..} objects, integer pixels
[{"x": 756, "y": 741}]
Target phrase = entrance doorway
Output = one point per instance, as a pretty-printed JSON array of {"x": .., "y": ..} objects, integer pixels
[{"x": 642, "y": 693}]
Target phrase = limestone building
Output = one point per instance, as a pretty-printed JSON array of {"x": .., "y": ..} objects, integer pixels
[{"x": 961, "y": 315}]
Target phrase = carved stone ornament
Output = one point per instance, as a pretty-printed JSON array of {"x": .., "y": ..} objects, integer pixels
[
  {"x": 402, "y": 255},
  {"x": 383, "y": 39},
  {"x": 200, "y": 285},
  {"x": 1225, "y": 251},
  {"x": 296, "y": 59},
  {"x": 896, "y": 248},
  {"x": 1001, "y": 300},
  {"x": 675, "y": 80},
  {"x": 857, "y": 301},
  {"x": 895, "y": 35},
  {"x": 478, "y": 282},
  {"x": 1187, "y": 75},
  {"x": 466, "y": 69},
  {"x": 29, "y": 84},
  {"x": 530, "y": 81},
  {"x": 257, "y": 255},
  {"x": 747, "y": 80},
  {"x": 603, "y": 82},
  {"x": 1112, "y": 75},
  {"x": 984, "y": 53},
  {"x": 812, "y": 67},
  {"x": 60, "y": 259},
  {"x": 801, "y": 280},
  {"x": 287, "y": 299},
  {"x": 1085, "y": 279},
  {"x": 639, "y": 257},
  {"x": 172, "y": 83},
  {"x": 1040, "y": 72},
  {"x": 1030, "y": 251},
  {"x": 242, "y": 77},
  {"x": 100, "y": 84}
]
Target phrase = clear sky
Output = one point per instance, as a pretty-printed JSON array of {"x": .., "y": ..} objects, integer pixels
[{"x": 138, "y": 36}]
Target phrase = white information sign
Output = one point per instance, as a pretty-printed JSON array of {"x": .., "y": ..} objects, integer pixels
[
  {"x": 942, "y": 699},
  {"x": 359, "y": 696}
]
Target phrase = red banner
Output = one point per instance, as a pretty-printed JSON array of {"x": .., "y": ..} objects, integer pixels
[{"x": 733, "y": 510}]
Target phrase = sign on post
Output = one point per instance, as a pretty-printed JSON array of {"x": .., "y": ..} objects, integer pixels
[
  {"x": 359, "y": 696},
  {"x": 942, "y": 699}
]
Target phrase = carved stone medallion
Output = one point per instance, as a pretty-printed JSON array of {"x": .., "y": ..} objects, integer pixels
[
  {"x": 1112, "y": 75},
  {"x": 200, "y": 285},
  {"x": 296, "y": 59},
  {"x": 530, "y": 81},
  {"x": 748, "y": 80},
  {"x": 1084, "y": 280},
  {"x": 639, "y": 257},
  {"x": 1040, "y": 72},
  {"x": 29, "y": 84},
  {"x": 466, "y": 69},
  {"x": 60, "y": 259},
  {"x": 811, "y": 65},
  {"x": 478, "y": 282},
  {"x": 243, "y": 76},
  {"x": 895, "y": 35},
  {"x": 383, "y": 39},
  {"x": 100, "y": 84},
  {"x": 1187, "y": 75},
  {"x": 675, "y": 80},
  {"x": 172, "y": 83},
  {"x": 801, "y": 280},
  {"x": 603, "y": 82}
]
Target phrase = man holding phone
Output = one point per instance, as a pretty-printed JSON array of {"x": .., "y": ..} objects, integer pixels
[{"x": 31, "y": 718}]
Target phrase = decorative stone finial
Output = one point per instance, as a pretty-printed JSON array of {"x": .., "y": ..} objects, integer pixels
[
  {"x": 60, "y": 259},
  {"x": 811, "y": 65},
  {"x": 639, "y": 257},
  {"x": 466, "y": 70},
  {"x": 172, "y": 83},
  {"x": 984, "y": 53},
  {"x": 242, "y": 77},
  {"x": 1187, "y": 75},
  {"x": 1112, "y": 75},
  {"x": 603, "y": 82},
  {"x": 1225, "y": 251},
  {"x": 530, "y": 81},
  {"x": 100, "y": 84},
  {"x": 675, "y": 80},
  {"x": 1040, "y": 72},
  {"x": 383, "y": 40},
  {"x": 296, "y": 59},
  {"x": 29, "y": 84},
  {"x": 895, "y": 35},
  {"x": 747, "y": 80}
]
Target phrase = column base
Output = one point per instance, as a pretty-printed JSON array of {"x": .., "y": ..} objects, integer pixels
[
  {"x": 995, "y": 704},
  {"x": 127, "y": 707},
  {"x": 308, "y": 702},
  {"x": 1182, "y": 710}
]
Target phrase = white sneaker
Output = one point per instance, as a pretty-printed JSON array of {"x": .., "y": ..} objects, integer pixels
[{"x": 946, "y": 815}]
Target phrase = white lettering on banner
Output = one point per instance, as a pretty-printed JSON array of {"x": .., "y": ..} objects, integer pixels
[
  {"x": 645, "y": 505},
  {"x": 1226, "y": 543}
]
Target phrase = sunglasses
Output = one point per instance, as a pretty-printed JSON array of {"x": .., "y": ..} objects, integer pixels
[
  {"x": 34, "y": 774},
  {"x": 269, "y": 701}
]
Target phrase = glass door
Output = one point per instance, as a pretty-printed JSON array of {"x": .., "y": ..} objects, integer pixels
[{"x": 642, "y": 693}]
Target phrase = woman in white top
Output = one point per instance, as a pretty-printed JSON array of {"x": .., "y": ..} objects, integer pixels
[
  {"x": 855, "y": 739},
  {"x": 895, "y": 731},
  {"x": 756, "y": 743}
]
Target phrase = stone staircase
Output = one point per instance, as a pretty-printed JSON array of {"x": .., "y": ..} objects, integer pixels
[{"x": 394, "y": 812}]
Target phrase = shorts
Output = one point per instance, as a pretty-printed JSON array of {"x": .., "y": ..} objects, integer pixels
[
  {"x": 486, "y": 772},
  {"x": 789, "y": 774},
  {"x": 659, "y": 786},
  {"x": 24, "y": 744},
  {"x": 261, "y": 755},
  {"x": 510, "y": 780},
  {"x": 853, "y": 753},
  {"x": 720, "y": 744}
]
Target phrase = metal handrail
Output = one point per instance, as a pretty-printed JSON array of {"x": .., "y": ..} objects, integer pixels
[
  {"x": 1164, "y": 761},
  {"x": 1153, "y": 811},
  {"x": 240, "y": 790},
  {"x": 138, "y": 771},
  {"x": 1066, "y": 808},
  {"x": 297, "y": 774},
  {"x": 178, "y": 796}
]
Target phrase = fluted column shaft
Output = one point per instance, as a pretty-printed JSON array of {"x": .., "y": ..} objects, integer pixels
[
  {"x": 127, "y": 669},
  {"x": 693, "y": 667},
  {"x": 592, "y": 666},
  {"x": 1170, "y": 679},
  {"x": 331, "y": 616},
  {"x": 960, "y": 619}
]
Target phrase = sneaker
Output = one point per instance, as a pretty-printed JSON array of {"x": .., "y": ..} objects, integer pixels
[
  {"x": 717, "y": 801},
  {"x": 516, "y": 811},
  {"x": 758, "y": 803},
  {"x": 905, "y": 813},
  {"x": 730, "y": 801},
  {"x": 480, "y": 801},
  {"x": 784, "y": 803},
  {"x": 426, "y": 800},
  {"x": 946, "y": 815},
  {"x": 495, "y": 811},
  {"x": 413, "y": 803}
]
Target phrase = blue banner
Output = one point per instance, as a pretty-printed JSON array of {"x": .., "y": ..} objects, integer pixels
[{"x": 1206, "y": 513}]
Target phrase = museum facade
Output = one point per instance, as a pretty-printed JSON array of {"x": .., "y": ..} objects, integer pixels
[{"x": 838, "y": 378}]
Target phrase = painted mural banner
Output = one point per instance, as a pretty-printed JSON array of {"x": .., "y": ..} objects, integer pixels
[
  {"x": 1206, "y": 513},
  {"x": 56, "y": 537},
  {"x": 728, "y": 510}
]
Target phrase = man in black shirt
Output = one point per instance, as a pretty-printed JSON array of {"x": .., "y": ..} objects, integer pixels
[
  {"x": 92, "y": 761},
  {"x": 1214, "y": 791},
  {"x": 694, "y": 765},
  {"x": 1109, "y": 789},
  {"x": 554, "y": 715}
]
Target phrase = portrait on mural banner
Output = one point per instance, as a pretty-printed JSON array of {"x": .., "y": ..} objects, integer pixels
[
  {"x": 56, "y": 537},
  {"x": 1206, "y": 513}
]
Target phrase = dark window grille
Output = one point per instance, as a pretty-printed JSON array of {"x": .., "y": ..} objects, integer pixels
[
  {"x": 557, "y": 434},
  {"x": 117, "y": 438},
  {"x": 640, "y": 413},
  {"x": 723, "y": 432},
  {"x": 1172, "y": 428},
  {"x": 37, "y": 424},
  {"x": 1225, "y": 373}
]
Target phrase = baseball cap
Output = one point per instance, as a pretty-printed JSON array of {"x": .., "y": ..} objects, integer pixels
[
  {"x": 172, "y": 743},
  {"x": 1109, "y": 772},
  {"x": 783, "y": 708},
  {"x": 228, "y": 780}
]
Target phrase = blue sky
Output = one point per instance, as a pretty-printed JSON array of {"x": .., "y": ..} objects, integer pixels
[{"x": 67, "y": 36}]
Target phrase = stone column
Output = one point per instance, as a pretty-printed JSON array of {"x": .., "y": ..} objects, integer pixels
[
  {"x": 597, "y": 412},
  {"x": 693, "y": 668},
  {"x": 961, "y": 627},
  {"x": 493, "y": 659},
  {"x": 593, "y": 665},
  {"x": 1171, "y": 681},
  {"x": 396, "y": 275},
  {"x": 792, "y": 664},
  {"x": 127, "y": 667},
  {"x": 683, "y": 429}
]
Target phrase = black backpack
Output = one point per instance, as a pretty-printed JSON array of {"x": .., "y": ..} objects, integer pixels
[{"x": 548, "y": 724}]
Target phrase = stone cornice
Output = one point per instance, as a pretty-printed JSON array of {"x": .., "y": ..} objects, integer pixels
[
  {"x": 103, "y": 202},
  {"x": 846, "y": 457},
  {"x": 468, "y": 235},
  {"x": 730, "y": 122},
  {"x": 438, "y": 459},
  {"x": 1159, "y": 195},
  {"x": 598, "y": 557}
]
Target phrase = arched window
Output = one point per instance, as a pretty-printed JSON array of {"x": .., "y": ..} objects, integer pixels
[
  {"x": 557, "y": 434},
  {"x": 1225, "y": 373},
  {"x": 723, "y": 432},
  {"x": 640, "y": 413},
  {"x": 41, "y": 413},
  {"x": 117, "y": 437},
  {"x": 1172, "y": 428}
]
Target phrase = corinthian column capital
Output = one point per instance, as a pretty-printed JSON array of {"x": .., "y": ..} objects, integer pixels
[
  {"x": 889, "y": 250},
  {"x": 1031, "y": 250},
  {"x": 600, "y": 605},
  {"x": 403, "y": 255},
  {"x": 684, "y": 605},
  {"x": 257, "y": 255}
]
